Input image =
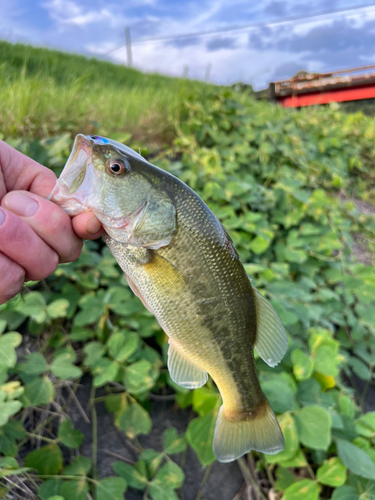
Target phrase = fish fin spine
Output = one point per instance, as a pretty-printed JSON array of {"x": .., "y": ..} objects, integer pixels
[
  {"x": 237, "y": 433},
  {"x": 271, "y": 341},
  {"x": 183, "y": 371}
]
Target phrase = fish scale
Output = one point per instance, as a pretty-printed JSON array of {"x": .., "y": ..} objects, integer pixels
[{"x": 183, "y": 265}]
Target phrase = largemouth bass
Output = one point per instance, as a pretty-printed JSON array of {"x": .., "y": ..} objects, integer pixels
[{"x": 180, "y": 261}]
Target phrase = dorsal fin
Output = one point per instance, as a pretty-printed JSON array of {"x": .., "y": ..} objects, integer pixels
[
  {"x": 183, "y": 371},
  {"x": 271, "y": 341}
]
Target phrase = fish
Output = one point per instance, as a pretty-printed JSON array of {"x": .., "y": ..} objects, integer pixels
[{"x": 181, "y": 262}]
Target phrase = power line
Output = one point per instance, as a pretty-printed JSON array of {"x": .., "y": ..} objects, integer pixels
[{"x": 244, "y": 27}]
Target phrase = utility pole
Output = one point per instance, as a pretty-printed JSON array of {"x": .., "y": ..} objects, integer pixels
[
  {"x": 128, "y": 47},
  {"x": 208, "y": 71}
]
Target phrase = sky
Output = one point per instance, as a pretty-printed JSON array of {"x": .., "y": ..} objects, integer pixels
[{"x": 254, "y": 42}]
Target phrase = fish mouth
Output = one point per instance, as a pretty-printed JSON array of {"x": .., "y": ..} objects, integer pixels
[{"x": 73, "y": 187}]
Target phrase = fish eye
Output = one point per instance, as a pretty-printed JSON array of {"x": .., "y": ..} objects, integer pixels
[{"x": 117, "y": 167}]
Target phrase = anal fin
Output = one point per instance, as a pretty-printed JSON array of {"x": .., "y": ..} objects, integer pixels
[
  {"x": 183, "y": 371},
  {"x": 271, "y": 340}
]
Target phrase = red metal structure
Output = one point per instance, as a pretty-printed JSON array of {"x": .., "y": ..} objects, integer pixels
[{"x": 306, "y": 89}]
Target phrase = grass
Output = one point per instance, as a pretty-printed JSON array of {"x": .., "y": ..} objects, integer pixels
[{"x": 44, "y": 92}]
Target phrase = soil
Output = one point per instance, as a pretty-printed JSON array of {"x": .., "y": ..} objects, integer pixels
[{"x": 224, "y": 482}]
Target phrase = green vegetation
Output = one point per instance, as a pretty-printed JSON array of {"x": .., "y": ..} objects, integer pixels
[
  {"x": 46, "y": 91},
  {"x": 282, "y": 182}
]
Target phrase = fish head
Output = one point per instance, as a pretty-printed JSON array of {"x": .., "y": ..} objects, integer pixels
[{"x": 121, "y": 188}]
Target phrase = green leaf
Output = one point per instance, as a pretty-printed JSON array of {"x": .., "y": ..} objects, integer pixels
[
  {"x": 81, "y": 334},
  {"x": 302, "y": 365},
  {"x": 58, "y": 308},
  {"x": 170, "y": 476},
  {"x": 122, "y": 345},
  {"x": 204, "y": 400},
  {"x": 63, "y": 367},
  {"x": 347, "y": 405},
  {"x": 200, "y": 434},
  {"x": 345, "y": 493},
  {"x": 355, "y": 459},
  {"x": 137, "y": 377},
  {"x": 49, "y": 489},
  {"x": 92, "y": 310},
  {"x": 326, "y": 360},
  {"x": 172, "y": 442},
  {"x": 279, "y": 394},
  {"x": 289, "y": 430},
  {"x": 72, "y": 438},
  {"x": 7, "y": 409},
  {"x": 111, "y": 488},
  {"x": 9, "y": 434},
  {"x": 259, "y": 245},
  {"x": 153, "y": 459},
  {"x": 159, "y": 492},
  {"x": 75, "y": 488},
  {"x": 332, "y": 472},
  {"x": 13, "y": 390},
  {"x": 365, "y": 424},
  {"x": 314, "y": 427},
  {"x": 39, "y": 391},
  {"x": 8, "y": 343},
  {"x": 360, "y": 368},
  {"x": 3, "y": 325},
  {"x": 306, "y": 489},
  {"x": 9, "y": 467},
  {"x": 135, "y": 477},
  {"x": 33, "y": 305},
  {"x": 116, "y": 402},
  {"x": 105, "y": 371},
  {"x": 135, "y": 420},
  {"x": 79, "y": 467},
  {"x": 47, "y": 460},
  {"x": 35, "y": 364},
  {"x": 56, "y": 497},
  {"x": 284, "y": 478},
  {"x": 93, "y": 352}
]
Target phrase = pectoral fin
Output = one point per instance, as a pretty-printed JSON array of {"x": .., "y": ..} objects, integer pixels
[
  {"x": 183, "y": 371},
  {"x": 271, "y": 340}
]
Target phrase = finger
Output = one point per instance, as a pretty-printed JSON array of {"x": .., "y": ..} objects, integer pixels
[
  {"x": 22, "y": 173},
  {"x": 12, "y": 277},
  {"x": 87, "y": 226},
  {"x": 21, "y": 244},
  {"x": 49, "y": 222}
]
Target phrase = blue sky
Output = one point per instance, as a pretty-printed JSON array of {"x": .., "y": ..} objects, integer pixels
[{"x": 257, "y": 55}]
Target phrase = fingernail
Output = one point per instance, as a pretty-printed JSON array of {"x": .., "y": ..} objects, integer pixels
[
  {"x": 2, "y": 217},
  {"x": 21, "y": 204},
  {"x": 93, "y": 225}
]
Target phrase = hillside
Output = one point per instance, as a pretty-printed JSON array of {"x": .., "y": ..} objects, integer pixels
[{"x": 46, "y": 91}]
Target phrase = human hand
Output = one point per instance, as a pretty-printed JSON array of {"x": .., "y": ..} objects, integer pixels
[{"x": 35, "y": 234}]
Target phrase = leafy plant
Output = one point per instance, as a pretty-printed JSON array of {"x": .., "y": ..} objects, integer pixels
[{"x": 282, "y": 183}]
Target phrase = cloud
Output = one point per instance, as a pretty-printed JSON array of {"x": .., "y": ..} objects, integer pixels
[
  {"x": 333, "y": 36},
  {"x": 183, "y": 42},
  {"x": 277, "y": 9},
  {"x": 286, "y": 70},
  {"x": 219, "y": 43},
  {"x": 70, "y": 13}
]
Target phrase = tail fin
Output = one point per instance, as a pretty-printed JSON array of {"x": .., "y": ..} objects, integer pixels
[{"x": 237, "y": 434}]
